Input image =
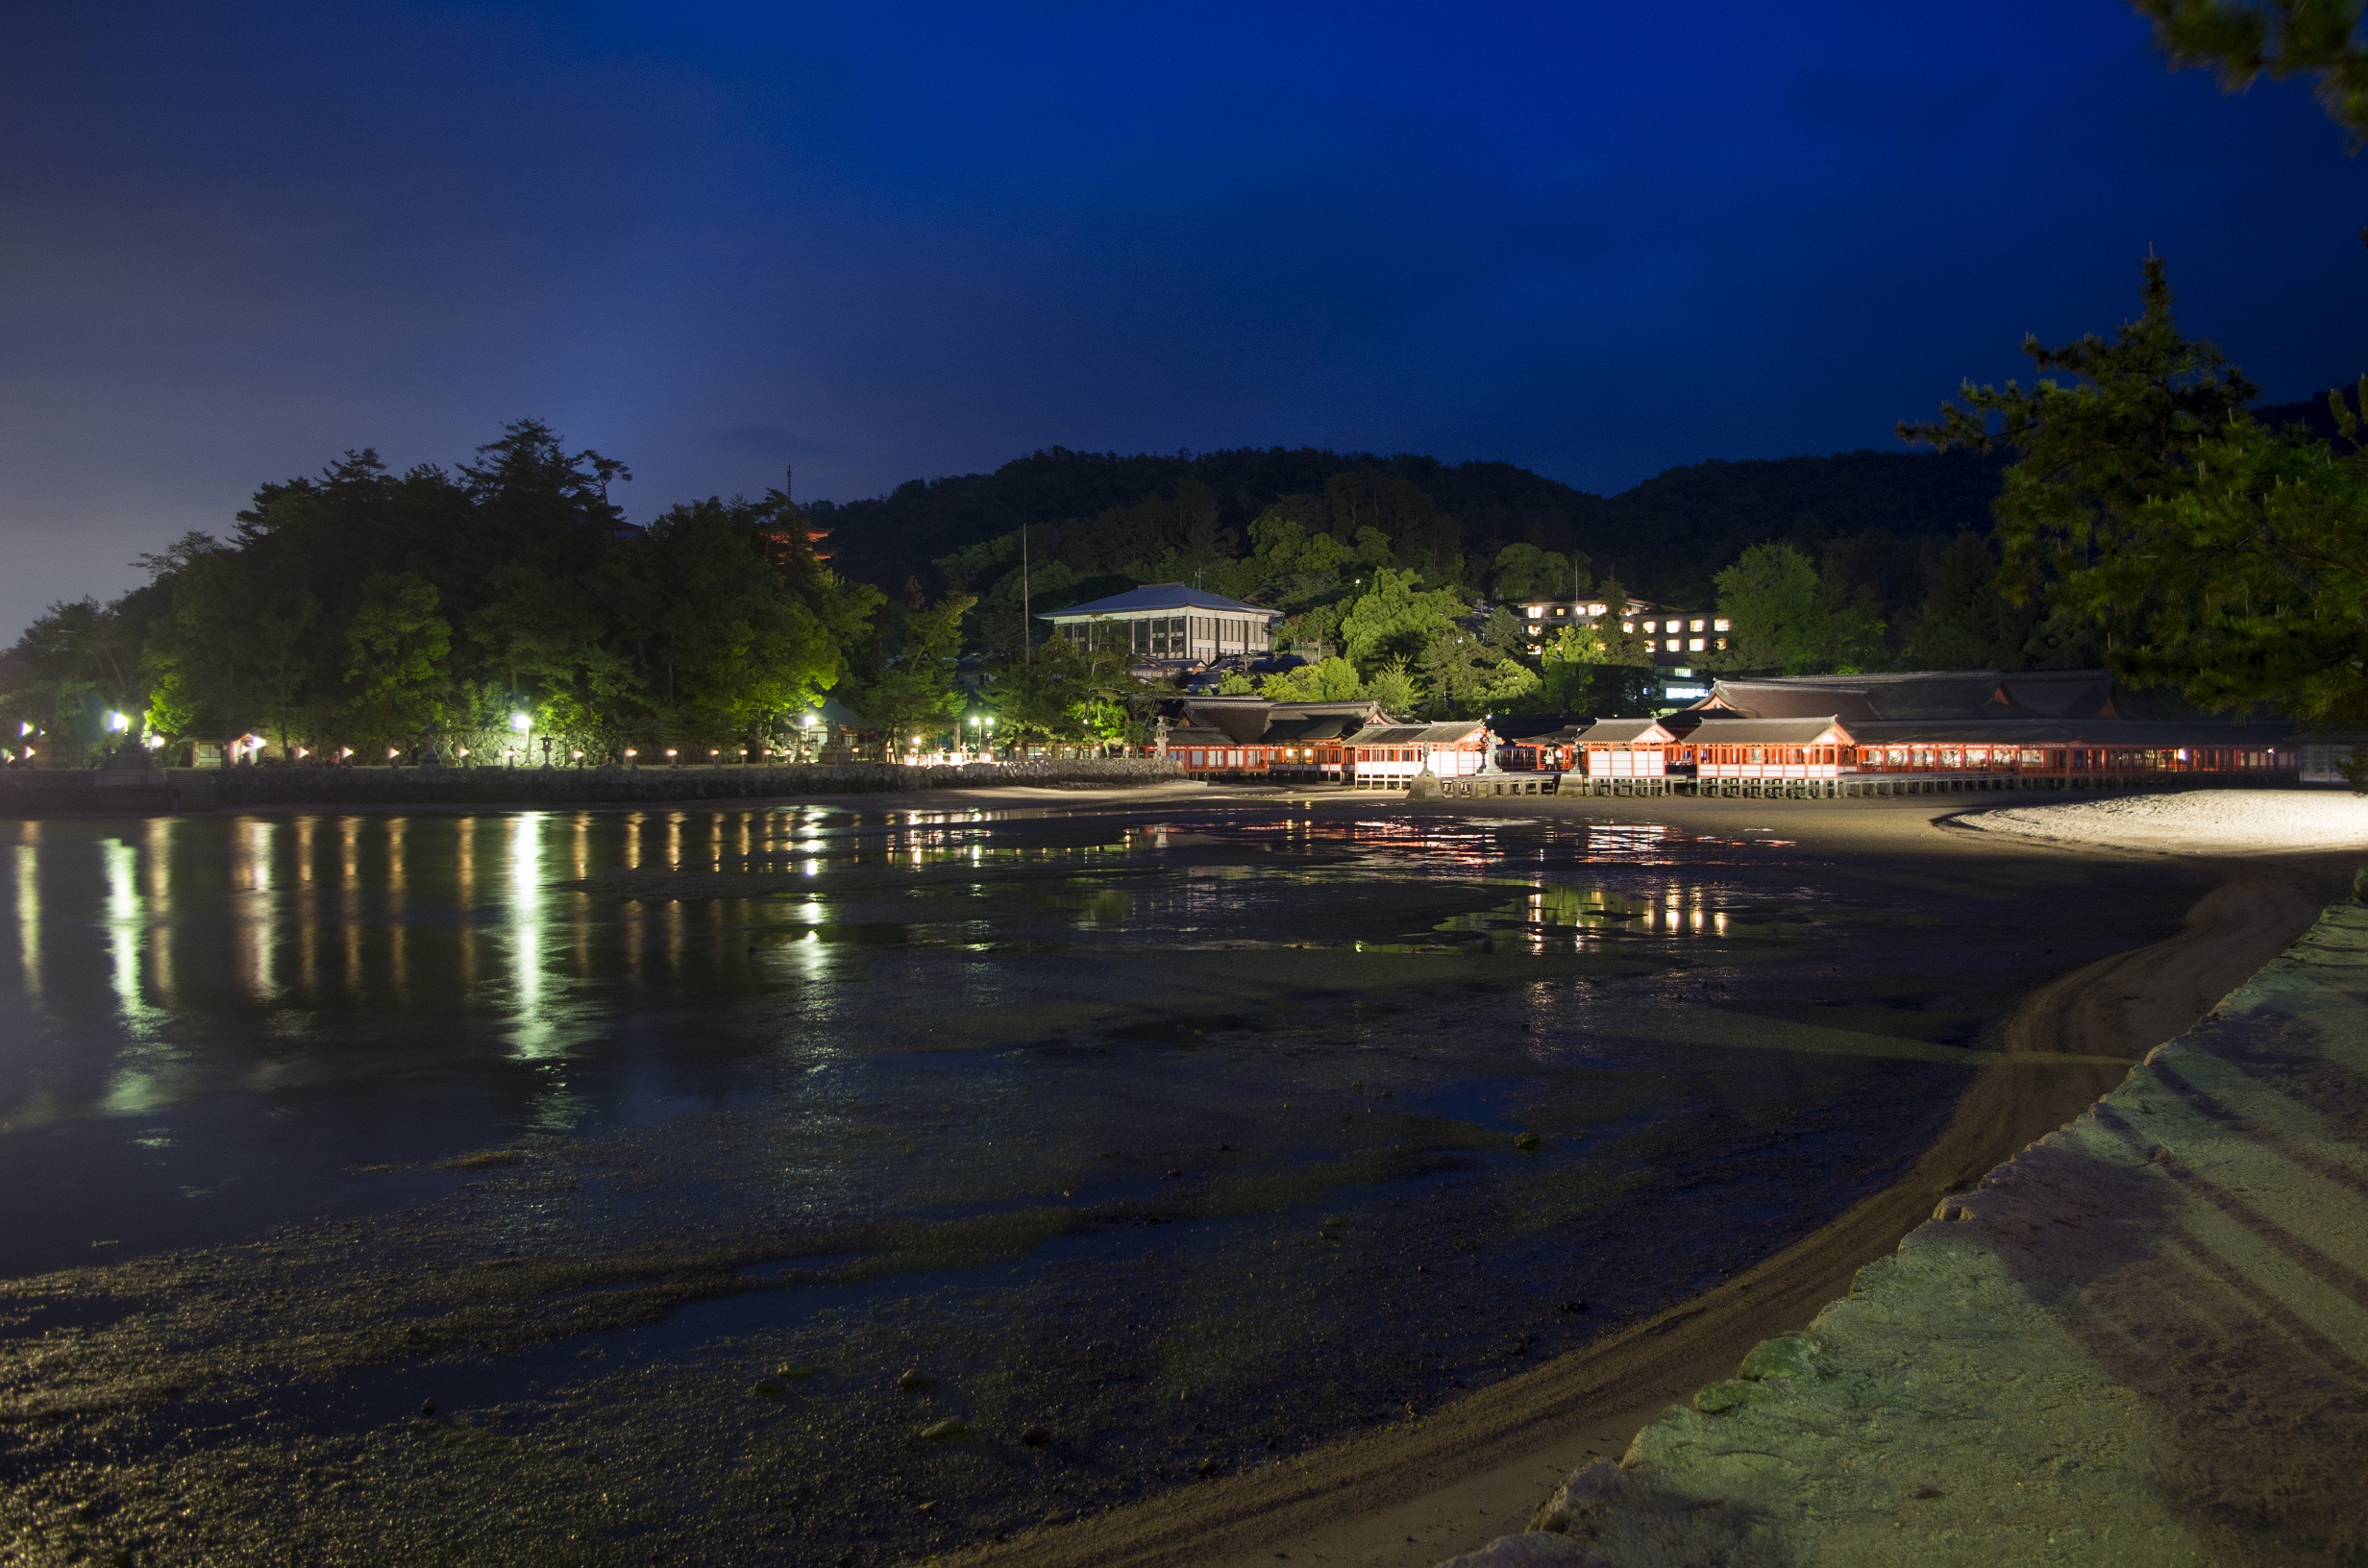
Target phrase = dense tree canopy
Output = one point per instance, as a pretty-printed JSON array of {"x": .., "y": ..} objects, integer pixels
[
  {"x": 420, "y": 613},
  {"x": 423, "y": 612},
  {"x": 2194, "y": 544}
]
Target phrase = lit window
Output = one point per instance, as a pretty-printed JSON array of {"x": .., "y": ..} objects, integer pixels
[
  {"x": 1652, "y": 625},
  {"x": 1536, "y": 611},
  {"x": 1627, "y": 625},
  {"x": 1720, "y": 624},
  {"x": 1693, "y": 645},
  {"x": 1672, "y": 645},
  {"x": 1722, "y": 644},
  {"x": 1693, "y": 625}
]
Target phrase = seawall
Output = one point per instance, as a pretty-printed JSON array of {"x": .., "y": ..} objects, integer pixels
[
  {"x": 2142, "y": 1341},
  {"x": 46, "y": 792}
]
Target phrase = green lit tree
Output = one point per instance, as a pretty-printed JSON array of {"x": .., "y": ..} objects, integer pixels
[
  {"x": 396, "y": 644},
  {"x": 1523, "y": 571},
  {"x": 1396, "y": 618},
  {"x": 914, "y": 693},
  {"x": 1571, "y": 667},
  {"x": 1393, "y": 688},
  {"x": 1331, "y": 679},
  {"x": 1772, "y": 597}
]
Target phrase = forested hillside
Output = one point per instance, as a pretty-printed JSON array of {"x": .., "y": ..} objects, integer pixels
[
  {"x": 365, "y": 613},
  {"x": 1664, "y": 539}
]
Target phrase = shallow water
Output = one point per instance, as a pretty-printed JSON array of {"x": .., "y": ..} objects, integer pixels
[{"x": 834, "y": 1187}]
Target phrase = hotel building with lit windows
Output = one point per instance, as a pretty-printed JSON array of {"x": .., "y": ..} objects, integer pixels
[{"x": 1676, "y": 636}]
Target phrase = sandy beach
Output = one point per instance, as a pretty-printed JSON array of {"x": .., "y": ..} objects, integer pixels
[
  {"x": 2250, "y": 872},
  {"x": 2192, "y": 821}
]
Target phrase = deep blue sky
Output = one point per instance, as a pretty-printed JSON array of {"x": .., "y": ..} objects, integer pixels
[{"x": 886, "y": 241}]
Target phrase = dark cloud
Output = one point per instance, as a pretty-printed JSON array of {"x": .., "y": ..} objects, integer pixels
[{"x": 884, "y": 242}]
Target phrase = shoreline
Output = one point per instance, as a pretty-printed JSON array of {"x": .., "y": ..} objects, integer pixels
[
  {"x": 1408, "y": 1495},
  {"x": 35, "y": 793},
  {"x": 2150, "y": 1316}
]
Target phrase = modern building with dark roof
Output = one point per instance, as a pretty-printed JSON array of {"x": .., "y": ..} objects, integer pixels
[{"x": 1171, "y": 623}]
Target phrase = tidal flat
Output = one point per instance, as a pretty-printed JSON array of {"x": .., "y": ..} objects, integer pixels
[{"x": 821, "y": 1185}]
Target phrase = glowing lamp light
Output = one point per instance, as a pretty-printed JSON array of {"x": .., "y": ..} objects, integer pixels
[
  {"x": 633, "y": 751},
  {"x": 392, "y": 753},
  {"x": 576, "y": 755},
  {"x": 303, "y": 750},
  {"x": 117, "y": 723},
  {"x": 714, "y": 751},
  {"x": 26, "y": 728},
  {"x": 460, "y": 751},
  {"x": 670, "y": 750},
  {"x": 808, "y": 721},
  {"x": 344, "y": 752},
  {"x": 520, "y": 722}
]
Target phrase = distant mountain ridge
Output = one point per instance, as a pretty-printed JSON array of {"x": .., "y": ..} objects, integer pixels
[{"x": 1665, "y": 538}]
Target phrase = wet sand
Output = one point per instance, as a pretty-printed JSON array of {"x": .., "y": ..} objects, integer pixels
[
  {"x": 1413, "y": 1494},
  {"x": 584, "y": 1129}
]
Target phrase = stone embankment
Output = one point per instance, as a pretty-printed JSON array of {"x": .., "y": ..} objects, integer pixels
[
  {"x": 2141, "y": 1343},
  {"x": 35, "y": 792}
]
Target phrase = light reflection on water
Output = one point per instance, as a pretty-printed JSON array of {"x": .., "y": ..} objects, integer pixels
[
  {"x": 507, "y": 921},
  {"x": 972, "y": 1077}
]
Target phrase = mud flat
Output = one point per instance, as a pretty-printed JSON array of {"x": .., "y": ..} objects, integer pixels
[
  {"x": 1417, "y": 1492},
  {"x": 2142, "y": 1341}
]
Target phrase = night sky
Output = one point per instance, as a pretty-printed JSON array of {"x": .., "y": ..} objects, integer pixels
[{"x": 894, "y": 241}]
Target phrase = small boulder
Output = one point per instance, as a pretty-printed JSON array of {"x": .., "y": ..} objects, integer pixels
[
  {"x": 1787, "y": 1356},
  {"x": 1722, "y": 1397},
  {"x": 954, "y": 1426}
]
